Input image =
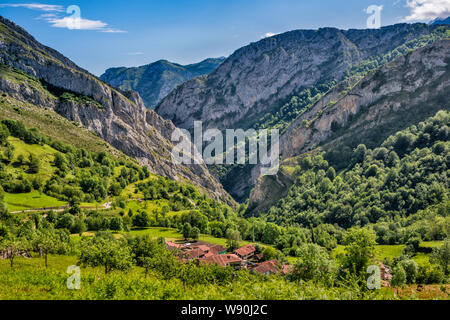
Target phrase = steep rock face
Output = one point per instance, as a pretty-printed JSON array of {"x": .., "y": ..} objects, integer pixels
[
  {"x": 419, "y": 78},
  {"x": 155, "y": 81},
  {"x": 253, "y": 81},
  {"x": 401, "y": 93},
  {"x": 120, "y": 118}
]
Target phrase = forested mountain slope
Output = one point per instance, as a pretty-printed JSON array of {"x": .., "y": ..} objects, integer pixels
[
  {"x": 400, "y": 94},
  {"x": 270, "y": 83},
  {"x": 406, "y": 174}
]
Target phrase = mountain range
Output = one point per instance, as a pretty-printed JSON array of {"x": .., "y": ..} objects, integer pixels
[
  {"x": 257, "y": 79},
  {"x": 326, "y": 90},
  {"x": 40, "y": 76},
  {"x": 156, "y": 80},
  {"x": 270, "y": 83},
  {"x": 440, "y": 21}
]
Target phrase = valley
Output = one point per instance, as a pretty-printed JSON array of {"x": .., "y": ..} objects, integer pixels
[{"x": 87, "y": 176}]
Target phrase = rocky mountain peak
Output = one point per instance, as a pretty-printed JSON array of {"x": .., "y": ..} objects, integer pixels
[{"x": 119, "y": 117}]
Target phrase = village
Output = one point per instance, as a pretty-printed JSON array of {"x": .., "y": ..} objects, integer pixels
[{"x": 245, "y": 257}]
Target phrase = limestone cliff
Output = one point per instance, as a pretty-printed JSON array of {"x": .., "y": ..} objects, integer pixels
[
  {"x": 368, "y": 110},
  {"x": 120, "y": 118},
  {"x": 255, "y": 79}
]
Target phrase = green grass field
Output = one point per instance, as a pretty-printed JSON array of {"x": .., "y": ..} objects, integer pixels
[
  {"x": 173, "y": 234},
  {"x": 29, "y": 201},
  {"x": 395, "y": 251},
  {"x": 30, "y": 280}
]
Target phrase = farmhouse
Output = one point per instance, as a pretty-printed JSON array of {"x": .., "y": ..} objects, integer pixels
[
  {"x": 206, "y": 253},
  {"x": 246, "y": 252},
  {"x": 173, "y": 246},
  {"x": 217, "y": 249},
  {"x": 224, "y": 260},
  {"x": 286, "y": 269},
  {"x": 267, "y": 268},
  {"x": 196, "y": 254}
]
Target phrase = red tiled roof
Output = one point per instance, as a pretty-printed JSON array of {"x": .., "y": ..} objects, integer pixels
[
  {"x": 222, "y": 260},
  {"x": 286, "y": 269},
  {"x": 216, "y": 249},
  {"x": 196, "y": 253},
  {"x": 174, "y": 245},
  {"x": 245, "y": 250},
  {"x": 202, "y": 247},
  {"x": 268, "y": 266}
]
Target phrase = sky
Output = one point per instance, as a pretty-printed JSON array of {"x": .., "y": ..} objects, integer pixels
[{"x": 101, "y": 34}]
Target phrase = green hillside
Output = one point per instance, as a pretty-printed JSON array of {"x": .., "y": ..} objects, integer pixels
[{"x": 399, "y": 189}]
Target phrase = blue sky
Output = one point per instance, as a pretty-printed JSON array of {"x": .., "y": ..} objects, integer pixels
[{"x": 138, "y": 32}]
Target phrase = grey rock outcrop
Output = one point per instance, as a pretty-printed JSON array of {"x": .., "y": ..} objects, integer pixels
[
  {"x": 255, "y": 79},
  {"x": 401, "y": 93},
  {"x": 120, "y": 118}
]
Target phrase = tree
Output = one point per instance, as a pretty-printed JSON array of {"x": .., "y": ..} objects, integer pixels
[
  {"x": 111, "y": 254},
  {"x": 146, "y": 263},
  {"x": 360, "y": 245},
  {"x": 186, "y": 230},
  {"x": 13, "y": 248},
  {"x": 78, "y": 226},
  {"x": 3, "y": 211},
  {"x": 271, "y": 233},
  {"x": 269, "y": 253},
  {"x": 116, "y": 224},
  {"x": 233, "y": 239},
  {"x": 4, "y": 133},
  {"x": 20, "y": 159},
  {"x": 9, "y": 152},
  {"x": 144, "y": 249},
  {"x": 33, "y": 164},
  {"x": 141, "y": 220},
  {"x": 372, "y": 171},
  {"x": 195, "y": 233},
  {"x": 411, "y": 269},
  {"x": 331, "y": 173},
  {"x": 50, "y": 241},
  {"x": 60, "y": 161},
  {"x": 65, "y": 222},
  {"x": 398, "y": 278},
  {"x": 442, "y": 256},
  {"x": 314, "y": 264},
  {"x": 3, "y": 207},
  {"x": 359, "y": 153}
]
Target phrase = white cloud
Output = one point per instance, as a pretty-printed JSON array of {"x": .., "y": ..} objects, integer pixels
[
  {"x": 47, "y": 16},
  {"x": 426, "y": 10},
  {"x": 72, "y": 22},
  {"x": 35, "y": 6},
  {"x": 269, "y": 34},
  {"x": 138, "y": 53},
  {"x": 110, "y": 30}
]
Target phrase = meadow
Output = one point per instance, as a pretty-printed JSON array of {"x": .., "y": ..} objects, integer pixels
[{"x": 30, "y": 280}]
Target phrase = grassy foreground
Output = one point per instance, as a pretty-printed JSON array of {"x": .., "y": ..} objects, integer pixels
[{"x": 31, "y": 280}]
